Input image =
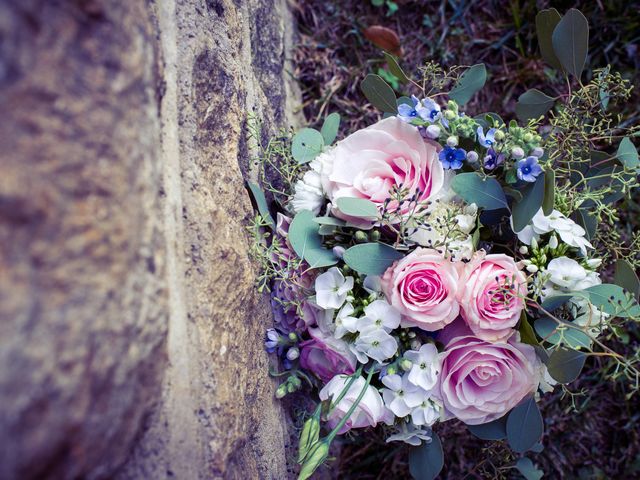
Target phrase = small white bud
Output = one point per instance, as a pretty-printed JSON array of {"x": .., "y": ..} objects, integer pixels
[
  {"x": 472, "y": 156},
  {"x": 433, "y": 131},
  {"x": 499, "y": 135},
  {"x": 449, "y": 114},
  {"x": 523, "y": 250},
  {"x": 528, "y": 137},
  {"x": 537, "y": 152},
  {"x": 553, "y": 242},
  {"x": 594, "y": 262},
  {"x": 338, "y": 251},
  {"x": 452, "y": 141},
  {"x": 517, "y": 152},
  {"x": 293, "y": 353},
  {"x": 415, "y": 344},
  {"x": 526, "y": 262},
  {"x": 532, "y": 268},
  {"x": 534, "y": 243},
  {"x": 405, "y": 364}
]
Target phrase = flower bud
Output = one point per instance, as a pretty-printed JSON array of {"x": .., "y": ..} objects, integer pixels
[
  {"x": 523, "y": 250},
  {"x": 537, "y": 152},
  {"x": 449, "y": 114},
  {"x": 532, "y": 268},
  {"x": 594, "y": 262},
  {"x": 534, "y": 243},
  {"x": 308, "y": 437},
  {"x": 350, "y": 298},
  {"x": 295, "y": 381},
  {"x": 433, "y": 131},
  {"x": 338, "y": 251},
  {"x": 281, "y": 390},
  {"x": 293, "y": 353},
  {"x": 391, "y": 370},
  {"x": 415, "y": 344},
  {"x": 553, "y": 242},
  {"x": 499, "y": 135},
  {"x": 528, "y": 137},
  {"x": 293, "y": 336},
  {"x": 452, "y": 141},
  {"x": 537, "y": 138},
  {"x": 543, "y": 258},
  {"x": 472, "y": 156},
  {"x": 517, "y": 152},
  {"x": 405, "y": 364},
  {"x": 361, "y": 237},
  {"x": 315, "y": 457},
  {"x": 375, "y": 236}
]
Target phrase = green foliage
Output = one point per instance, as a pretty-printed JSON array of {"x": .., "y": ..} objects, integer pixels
[
  {"x": 469, "y": 83},
  {"x": 261, "y": 203},
  {"x": 628, "y": 154},
  {"x": 626, "y": 277},
  {"x": 484, "y": 192},
  {"x": 546, "y": 21},
  {"x": 528, "y": 470},
  {"x": 427, "y": 460},
  {"x": 358, "y": 207},
  {"x": 330, "y": 128},
  {"x": 533, "y": 104},
  {"x": 306, "y": 145},
  {"x": 395, "y": 69},
  {"x": 495, "y": 430},
  {"x": 371, "y": 258},
  {"x": 570, "y": 41},
  {"x": 532, "y": 197},
  {"x": 524, "y": 425},
  {"x": 307, "y": 243},
  {"x": 566, "y": 364},
  {"x": 379, "y": 93}
]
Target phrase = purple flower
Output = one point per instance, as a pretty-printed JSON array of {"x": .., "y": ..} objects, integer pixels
[
  {"x": 326, "y": 356},
  {"x": 486, "y": 140},
  {"x": 529, "y": 169},
  {"x": 493, "y": 159},
  {"x": 430, "y": 110},
  {"x": 273, "y": 340},
  {"x": 408, "y": 113},
  {"x": 452, "y": 158}
]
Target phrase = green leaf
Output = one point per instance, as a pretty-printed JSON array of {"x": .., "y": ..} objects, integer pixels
[
  {"x": 379, "y": 93},
  {"x": 604, "y": 93},
  {"x": 306, "y": 145},
  {"x": 358, "y": 207},
  {"x": 307, "y": 243},
  {"x": 613, "y": 299},
  {"x": 628, "y": 154},
  {"x": 566, "y": 364},
  {"x": 626, "y": 277},
  {"x": 547, "y": 329},
  {"x": 524, "y": 425},
  {"x": 546, "y": 22},
  {"x": 588, "y": 222},
  {"x": 533, "y": 104},
  {"x": 261, "y": 203},
  {"x": 524, "y": 210},
  {"x": 330, "y": 127},
  {"x": 371, "y": 258},
  {"x": 485, "y": 193},
  {"x": 549, "y": 199},
  {"x": 395, "y": 69},
  {"x": 469, "y": 83},
  {"x": 528, "y": 470},
  {"x": 427, "y": 460},
  {"x": 330, "y": 221},
  {"x": 495, "y": 430},
  {"x": 527, "y": 335},
  {"x": 570, "y": 41}
]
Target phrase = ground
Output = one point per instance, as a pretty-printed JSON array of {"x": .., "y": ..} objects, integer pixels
[{"x": 601, "y": 439}]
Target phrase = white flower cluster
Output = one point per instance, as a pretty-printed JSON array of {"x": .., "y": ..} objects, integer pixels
[{"x": 570, "y": 232}]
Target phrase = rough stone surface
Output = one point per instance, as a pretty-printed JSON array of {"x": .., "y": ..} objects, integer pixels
[{"x": 130, "y": 332}]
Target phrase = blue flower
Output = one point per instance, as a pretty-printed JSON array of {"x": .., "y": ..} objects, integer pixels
[
  {"x": 429, "y": 110},
  {"x": 493, "y": 159},
  {"x": 452, "y": 158},
  {"x": 529, "y": 169},
  {"x": 273, "y": 340},
  {"x": 408, "y": 112},
  {"x": 488, "y": 140}
]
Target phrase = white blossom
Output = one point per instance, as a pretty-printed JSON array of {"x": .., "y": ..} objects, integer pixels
[
  {"x": 308, "y": 193},
  {"x": 401, "y": 396},
  {"x": 567, "y": 275},
  {"x": 379, "y": 314},
  {"x": 427, "y": 413},
  {"x": 345, "y": 322},
  {"x": 411, "y": 435},
  {"x": 570, "y": 232},
  {"x": 425, "y": 366},
  {"x": 332, "y": 288},
  {"x": 376, "y": 344}
]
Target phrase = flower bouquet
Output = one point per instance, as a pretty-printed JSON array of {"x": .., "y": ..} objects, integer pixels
[{"x": 441, "y": 265}]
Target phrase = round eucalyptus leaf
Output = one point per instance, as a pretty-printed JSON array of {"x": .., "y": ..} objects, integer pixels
[
  {"x": 528, "y": 470},
  {"x": 533, "y": 104},
  {"x": 546, "y": 21},
  {"x": 613, "y": 299},
  {"x": 625, "y": 277},
  {"x": 495, "y": 430},
  {"x": 547, "y": 329},
  {"x": 330, "y": 127},
  {"x": 357, "y": 207},
  {"x": 566, "y": 364},
  {"x": 469, "y": 83},
  {"x": 307, "y": 242},
  {"x": 532, "y": 197},
  {"x": 485, "y": 193},
  {"x": 306, "y": 145},
  {"x": 427, "y": 460},
  {"x": 628, "y": 154},
  {"x": 524, "y": 425},
  {"x": 570, "y": 41},
  {"x": 379, "y": 93},
  {"x": 371, "y": 258}
]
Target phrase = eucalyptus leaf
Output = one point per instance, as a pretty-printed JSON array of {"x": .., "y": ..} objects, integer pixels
[
  {"x": 485, "y": 193},
  {"x": 524, "y": 425},
  {"x": 306, "y": 145},
  {"x": 379, "y": 93},
  {"x": 546, "y": 21},
  {"x": 547, "y": 329},
  {"x": 330, "y": 127},
  {"x": 358, "y": 207},
  {"x": 566, "y": 364},
  {"x": 587, "y": 221},
  {"x": 533, "y": 104},
  {"x": 469, "y": 83},
  {"x": 330, "y": 221},
  {"x": 570, "y": 41},
  {"x": 528, "y": 470},
  {"x": 427, "y": 460},
  {"x": 527, "y": 335},
  {"x": 628, "y": 154},
  {"x": 626, "y": 277},
  {"x": 307, "y": 243},
  {"x": 549, "y": 199},
  {"x": 261, "y": 203},
  {"x": 495, "y": 430},
  {"x": 532, "y": 197},
  {"x": 371, "y": 258},
  {"x": 395, "y": 69},
  {"x": 613, "y": 299}
]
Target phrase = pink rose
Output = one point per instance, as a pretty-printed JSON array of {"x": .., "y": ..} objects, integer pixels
[
  {"x": 481, "y": 381},
  {"x": 493, "y": 295},
  {"x": 367, "y": 413},
  {"x": 423, "y": 286},
  {"x": 371, "y": 162},
  {"x": 326, "y": 356}
]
